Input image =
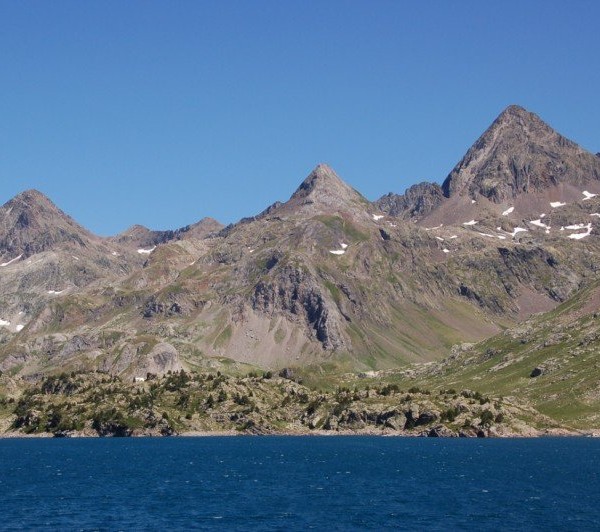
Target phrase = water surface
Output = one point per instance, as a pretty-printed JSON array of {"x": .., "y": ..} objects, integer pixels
[{"x": 297, "y": 483}]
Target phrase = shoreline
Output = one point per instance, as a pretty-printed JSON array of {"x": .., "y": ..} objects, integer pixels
[{"x": 548, "y": 433}]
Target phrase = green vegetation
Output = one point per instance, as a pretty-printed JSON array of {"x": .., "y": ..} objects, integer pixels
[{"x": 98, "y": 403}]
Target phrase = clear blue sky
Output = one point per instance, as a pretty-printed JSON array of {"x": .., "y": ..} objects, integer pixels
[{"x": 161, "y": 113}]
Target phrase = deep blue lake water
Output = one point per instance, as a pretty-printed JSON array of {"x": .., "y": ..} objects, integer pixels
[{"x": 298, "y": 483}]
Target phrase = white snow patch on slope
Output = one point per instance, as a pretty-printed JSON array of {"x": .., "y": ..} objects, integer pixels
[
  {"x": 588, "y": 195},
  {"x": 516, "y": 230},
  {"x": 473, "y": 201},
  {"x": 539, "y": 223},
  {"x": 55, "y": 292},
  {"x": 508, "y": 211},
  {"x": 472, "y": 222},
  {"x": 377, "y": 216},
  {"x": 432, "y": 228},
  {"x": 579, "y": 236},
  {"x": 146, "y": 251},
  {"x": 10, "y": 261},
  {"x": 439, "y": 238},
  {"x": 4, "y": 323},
  {"x": 595, "y": 214},
  {"x": 453, "y": 237},
  {"x": 337, "y": 251},
  {"x": 19, "y": 327},
  {"x": 446, "y": 250},
  {"x": 555, "y": 204},
  {"x": 343, "y": 246},
  {"x": 574, "y": 227}
]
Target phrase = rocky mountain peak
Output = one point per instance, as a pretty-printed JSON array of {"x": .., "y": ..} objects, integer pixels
[
  {"x": 519, "y": 153},
  {"x": 30, "y": 223},
  {"x": 324, "y": 187},
  {"x": 32, "y": 200}
]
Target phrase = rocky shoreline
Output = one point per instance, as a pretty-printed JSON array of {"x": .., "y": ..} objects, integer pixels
[{"x": 436, "y": 432}]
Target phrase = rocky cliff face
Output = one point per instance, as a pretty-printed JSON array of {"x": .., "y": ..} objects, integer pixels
[{"x": 418, "y": 201}]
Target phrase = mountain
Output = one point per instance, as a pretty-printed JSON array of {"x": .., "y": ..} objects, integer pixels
[
  {"x": 30, "y": 223},
  {"x": 325, "y": 279},
  {"x": 519, "y": 163},
  {"x": 517, "y": 154}
]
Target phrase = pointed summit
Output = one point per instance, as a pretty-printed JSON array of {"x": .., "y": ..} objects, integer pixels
[
  {"x": 519, "y": 153},
  {"x": 323, "y": 188},
  {"x": 30, "y": 223}
]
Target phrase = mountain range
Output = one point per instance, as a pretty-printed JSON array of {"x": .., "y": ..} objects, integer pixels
[{"x": 326, "y": 279}]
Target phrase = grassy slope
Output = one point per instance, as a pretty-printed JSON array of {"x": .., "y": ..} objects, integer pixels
[{"x": 564, "y": 344}]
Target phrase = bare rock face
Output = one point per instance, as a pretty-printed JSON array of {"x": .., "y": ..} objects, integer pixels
[
  {"x": 296, "y": 293},
  {"x": 519, "y": 153},
  {"x": 416, "y": 202},
  {"x": 162, "y": 358}
]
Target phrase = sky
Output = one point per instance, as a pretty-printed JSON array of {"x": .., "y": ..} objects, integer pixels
[{"x": 164, "y": 112}]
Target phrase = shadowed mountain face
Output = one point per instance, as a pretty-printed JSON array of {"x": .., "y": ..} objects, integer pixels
[
  {"x": 518, "y": 154},
  {"x": 325, "y": 277}
]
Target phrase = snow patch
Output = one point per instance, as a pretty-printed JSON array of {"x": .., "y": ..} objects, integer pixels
[
  {"x": 55, "y": 292},
  {"x": 508, "y": 211},
  {"x": 575, "y": 227},
  {"x": 114, "y": 254},
  {"x": 439, "y": 238},
  {"x": 446, "y": 250},
  {"x": 555, "y": 204},
  {"x": 579, "y": 236},
  {"x": 337, "y": 251},
  {"x": 485, "y": 234},
  {"x": 10, "y": 261},
  {"x": 473, "y": 201},
  {"x": 19, "y": 327},
  {"x": 588, "y": 195},
  {"x": 343, "y": 246},
  {"x": 432, "y": 228},
  {"x": 4, "y": 323},
  {"x": 539, "y": 223},
  {"x": 377, "y": 216},
  {"x": 517, "y": 230},
  {"x": 471, "y": 222},
  {"x": 146, "y": 251},
  {"x": 595, "y": 214},
  {"x": 453, "y": 237}
]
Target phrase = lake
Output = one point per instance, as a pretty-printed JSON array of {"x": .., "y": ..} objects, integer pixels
[{"x": 298, "y": 483}]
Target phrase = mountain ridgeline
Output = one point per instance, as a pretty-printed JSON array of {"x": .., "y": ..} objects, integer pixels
[{"x": 326, "y": 279}]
